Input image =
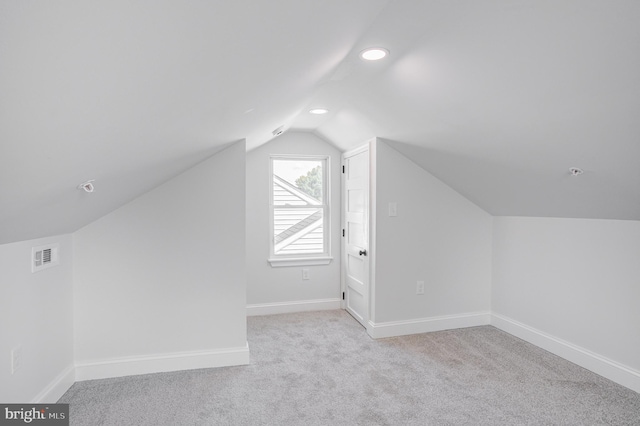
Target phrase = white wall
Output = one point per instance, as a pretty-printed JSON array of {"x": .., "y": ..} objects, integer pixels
[
  {"x": 36, "y": 313},
  {"x": 577, "y": 280},
  {"x": 438, "y": 236},
  {"x": 278, "y": 289},
  {"x": 160, "y": 282}
]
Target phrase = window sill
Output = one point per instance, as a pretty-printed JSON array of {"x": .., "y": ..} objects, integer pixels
[{"x": 299, "y": 261}]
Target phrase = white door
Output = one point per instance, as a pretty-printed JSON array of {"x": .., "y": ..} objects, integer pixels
[{"x": 355, "y": 217}]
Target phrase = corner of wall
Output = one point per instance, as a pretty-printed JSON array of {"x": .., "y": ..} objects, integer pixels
[
  {"x": 38, "y": 308},
  {"x": 565, "y": 284},
  {"x": 436, "y": 236},
  {"x": 178, "y": 248}
]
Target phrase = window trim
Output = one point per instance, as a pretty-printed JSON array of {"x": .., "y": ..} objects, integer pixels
[{"x": 309, "y": 259}]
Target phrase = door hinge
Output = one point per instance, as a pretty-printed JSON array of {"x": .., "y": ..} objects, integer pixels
[
  {"x": 343, "y": 295},
  {"x": 342, "y": 169},
  {"x": 343, "y": 232}
]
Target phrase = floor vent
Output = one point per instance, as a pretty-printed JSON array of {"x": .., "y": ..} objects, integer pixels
[{"x": 44, "y": 257}]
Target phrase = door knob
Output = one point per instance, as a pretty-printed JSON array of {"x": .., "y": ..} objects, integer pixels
[{"x": 363, "y": 252}]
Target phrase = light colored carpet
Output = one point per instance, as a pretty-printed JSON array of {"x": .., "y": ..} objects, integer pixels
[{"x": 321, "y": 368}]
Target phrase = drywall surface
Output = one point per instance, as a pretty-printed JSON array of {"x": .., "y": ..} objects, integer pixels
[
  {"x": 575, "y": 279},
  {"x": 266, "y": 284},
  {"x": 438, "y": 237},
  {"x": 165, "y": 274},
  {"x": 36, "y": 314}
]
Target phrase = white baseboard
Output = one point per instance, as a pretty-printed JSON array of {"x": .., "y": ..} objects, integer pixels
[
  {"x": 162, "y": 363},
  {"x": 57, "y": 387},
  {"x": 427, "y": 325},
  {"x": 598, "y": 364},
  {"x": 290, "y": 307}
]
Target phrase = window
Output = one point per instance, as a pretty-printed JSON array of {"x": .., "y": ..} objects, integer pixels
[{"x": 299, "y": 210}]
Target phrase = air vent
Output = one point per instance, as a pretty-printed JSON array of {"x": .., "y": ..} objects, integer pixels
[{"x": 44, "y": 257}]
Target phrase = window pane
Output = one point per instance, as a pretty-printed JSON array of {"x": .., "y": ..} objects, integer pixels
[
  {"x": 298, "y": 230},
  {"x": 297, "y": 182}
]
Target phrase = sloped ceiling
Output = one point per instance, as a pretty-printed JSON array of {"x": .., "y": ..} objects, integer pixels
[{"x": 496, "y": 98}]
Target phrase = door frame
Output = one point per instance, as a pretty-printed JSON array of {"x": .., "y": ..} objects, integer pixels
[{"x": 367, "y": 147}]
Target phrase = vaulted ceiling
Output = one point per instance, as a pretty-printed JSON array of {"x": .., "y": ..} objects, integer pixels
[{"x": 498, "y": 98}]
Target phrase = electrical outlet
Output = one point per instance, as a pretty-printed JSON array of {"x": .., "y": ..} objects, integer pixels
[
  {"x": 305, "y": 273},
  {"x": 420, "y": 287},
  {"x": 16, "y": 359}
]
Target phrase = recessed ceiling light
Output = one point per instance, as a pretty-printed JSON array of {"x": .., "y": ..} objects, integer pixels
[
  {"x": 319, "y": 111},
  {"x": 374, "y": 53}
]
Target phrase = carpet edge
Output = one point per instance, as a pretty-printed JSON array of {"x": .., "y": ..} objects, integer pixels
[
  {"x": 160, "y": 363},
  {"x": 426, "y": 325},
  {"x": 596, "y": 363},
  {"x": 294, "y": 306}
]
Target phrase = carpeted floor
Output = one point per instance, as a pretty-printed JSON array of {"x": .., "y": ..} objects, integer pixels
[{"x": 321, "y": 368}]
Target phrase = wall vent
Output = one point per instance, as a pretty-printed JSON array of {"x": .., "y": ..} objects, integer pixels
[{"x": 44, "y": 257}]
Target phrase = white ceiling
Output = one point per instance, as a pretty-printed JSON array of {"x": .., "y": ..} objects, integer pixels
[{"x": 496, "y": 98}]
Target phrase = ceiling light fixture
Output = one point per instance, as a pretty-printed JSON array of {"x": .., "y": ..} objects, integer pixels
[
  {"x": 374, "y": 54},
  {"x": 318, "y": 111},
  {"x": 575, "y": 171},
  {"x": 87, "y": 186}
]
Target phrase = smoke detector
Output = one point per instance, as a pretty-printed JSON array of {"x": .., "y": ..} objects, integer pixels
[
  {"x": 278, "y": 131},
  {"x": 87, "y": 186},
  {"x": 575, "y": 171}
]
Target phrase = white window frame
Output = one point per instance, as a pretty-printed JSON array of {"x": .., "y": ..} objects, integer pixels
[{"x": 302, "y": 259}]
